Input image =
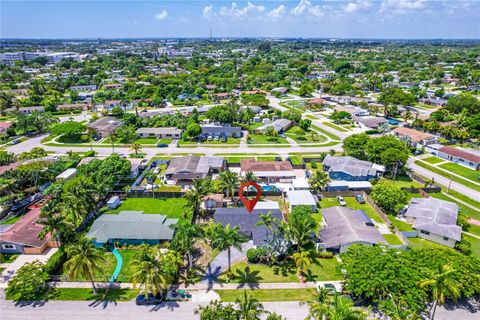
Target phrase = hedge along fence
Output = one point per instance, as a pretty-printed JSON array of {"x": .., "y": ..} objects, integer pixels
[
  {"x": 385, "y": 218},
  {"x": 154, "y": 194}
]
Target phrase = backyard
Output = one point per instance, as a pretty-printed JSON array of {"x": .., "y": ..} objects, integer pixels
[
  {"x": 172, "y": 207},
  {"x": 352, "y": 203}
]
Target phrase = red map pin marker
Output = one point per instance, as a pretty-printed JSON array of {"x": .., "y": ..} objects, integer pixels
[{"x": 249, "y": 203}]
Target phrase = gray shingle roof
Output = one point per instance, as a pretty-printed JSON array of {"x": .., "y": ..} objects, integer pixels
[
  {"x": 351, "y": 166},
  {"x": 435, "y": 216},
  {"x": 246, "y": 221},
  {"x": 344, "y": 227},
  {"x": 168, "y": 130},
  {"x": 220, "y": 129},
  {"x": 132, "y": 225},
  {"x": 191, "y": 167}
]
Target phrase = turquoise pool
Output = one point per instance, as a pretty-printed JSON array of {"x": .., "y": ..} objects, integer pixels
[{"x": 118, "y": 268}]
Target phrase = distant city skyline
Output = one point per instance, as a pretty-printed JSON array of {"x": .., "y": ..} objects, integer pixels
[{"x": 381, "y": 19}]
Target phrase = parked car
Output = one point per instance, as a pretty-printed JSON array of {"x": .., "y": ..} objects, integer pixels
[
  {"x": 157, "y": 170},
  {"x": 162, "y": 145},
  {"x": 332, "y": 288},
  {"x": 149, "y": 300},
  {"x": 16, "y": 141},
  {"x": 210, "y": 138},
  {"x": 224, "y": 139},
  {"x": 217, "y": 138},
  {"x": 360, "y": 198},
  {"x": 417, "y": 152},
  {"x": 341, "y": 201}
]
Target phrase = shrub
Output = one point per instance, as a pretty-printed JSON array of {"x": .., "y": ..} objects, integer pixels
[
  {"x": 325, "y": 255},
  {"x": 55, "y": 262},
  {"x": 464, "y": 247},
  {"x": 252, "y": 255},
  {"x": 313, "y": 164}
]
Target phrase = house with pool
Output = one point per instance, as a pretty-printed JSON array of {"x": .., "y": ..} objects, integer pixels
[
  {"x": 132, "y": 227},
  {"x": 351, "y": 169}
]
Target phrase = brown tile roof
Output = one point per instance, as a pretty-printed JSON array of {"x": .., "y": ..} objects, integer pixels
[
  {"x": 316, "y": 101},
  {"x": 415, "y": 135},
  {"x": 25, "y": 231},
  {"x": 459, "y": 153},
  {"x": 252, "y": 165},
  {"x": 11, "y": 166}
]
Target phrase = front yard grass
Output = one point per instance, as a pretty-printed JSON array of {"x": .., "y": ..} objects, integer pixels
[
  {"x": 11, "y": 220},
  {"x": 266, "y": 295},
  {"x": 433, "y": 160},
  {"x": 86, "y": 294},
  {"x": 447, "y": 175},
  {"x": 475, "y": 244},
  {"x": 326, "y": 133},
  {"x": 401, "y": 225},
  {"x": 320, "y": 270},
  {"x": 147, "y": 140},
  {"x": 352, "y": 203},
  {"x": 262, "y": 139},
  {"x": 172, "y": 207},
  {"x": 461, "y": 171},
  {"x": 392, "y": 239},
  {"x": 8, "y": 257},
  {"x": 302, "y": 136},
  {"x": 331, "y": 125},
  {"x": 421, "y": 243}
]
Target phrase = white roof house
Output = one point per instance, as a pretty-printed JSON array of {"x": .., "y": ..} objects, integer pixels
[
  {"x": 300, "y": 184},
  {"x": 267, "y": 205},
  {"x": 67, "y": 174},
  {"x": 301, "y": 198}
]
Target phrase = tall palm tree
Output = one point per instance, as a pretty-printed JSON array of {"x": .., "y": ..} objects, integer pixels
[
  {"x": 225, "y": 239},
  {"x": 55, "y": 224},
  {"x": 83, "y": 259},
  {"x": 194, "y": 196},
  {"x": 112, "y": 137},
  {"x": 185, "y": 232},
  {"x": 228, "y": 182},
  {"x": 319, "y": 180},
  {"x": 302, "y": 261},
  {"x": 136, "y": 147},
  {"x": 316, "y": 304},
  {"x": 249, "y": 177},
  {"x": 149, "y": 271},
  {"x": 268, "y": 221},
  {"x": 249, "y": 307},
  {"x": 443, "y": 284},
  {"x": 342, "y": 308}
]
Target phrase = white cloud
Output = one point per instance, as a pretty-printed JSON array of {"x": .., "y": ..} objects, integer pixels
[
  {"x": 162, "y": 15},
  {"x": 208, "y": 12},
  {"x": 357, "y": 6},
  {"x": 402, "y": 6},
  {"x": 306, "y": 8},
  {"x": 277, "y": 12},
  {"x": 238, "y": 13}
]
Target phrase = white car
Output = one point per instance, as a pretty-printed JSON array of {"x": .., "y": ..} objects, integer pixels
[
  {"x": 332, "y": 288},
  {"x": 217, "y": 138},
  {"x": 209, "y": 138},
  {"x": 341, "y": 201},
  {"x": 157, "y": 170}
]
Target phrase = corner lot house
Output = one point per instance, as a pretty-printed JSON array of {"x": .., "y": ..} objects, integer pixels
[
  {"x": 22, "y": 237},
  {"x": 103, "y": 127},
  {"x": 246, "y": 221},
  {"x": 345, "y": 227},
  {"x": 160, "y": 133},
  {"x": 435, "y": 220},
  {"x": 268, "y": 171},
  {"x": 466, "y": 157},
  {"x": 131, "y": 227},
  {"x": 220, "y": 131},
  {"x": 302, "y": 198},
  {"x": 185, "y": 169},
  {"x": 351, "y": 169},
  {"x": 414, "y": 137}
]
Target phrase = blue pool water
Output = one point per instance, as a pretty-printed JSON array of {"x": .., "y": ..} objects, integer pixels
[
  {"x": 118, "y": 267},
  {"x": 269, "y": 188}
]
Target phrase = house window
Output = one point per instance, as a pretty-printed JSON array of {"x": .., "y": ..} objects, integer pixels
[
  {"x": 445, "y": 239},
  {"x": 8, "y": 246},
  {"x": 424, "y": 232}
]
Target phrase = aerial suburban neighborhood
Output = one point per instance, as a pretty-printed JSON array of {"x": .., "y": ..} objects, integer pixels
[{"x": 240, "y": 178}]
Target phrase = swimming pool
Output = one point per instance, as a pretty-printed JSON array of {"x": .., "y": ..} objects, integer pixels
[{"x": 118, "y": 256}]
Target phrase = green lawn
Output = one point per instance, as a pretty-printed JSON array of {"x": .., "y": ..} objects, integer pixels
[
  {"x": 433, "y": 160},
  {"x": 392, "y": 239},
  {"x": 172, "y": 207},
  {"x": 326, "y": 133},
  {"x": 296, "y": 160},
  {"x": 301, "y": 136},
  {"x": 331, "y": 125},
  {"x": 447, "y": 175},
  {"x": 8, "y": 257},
  {"x": 233, "y": 159},
  {"x": 462, "y": 171},
  {"x": 266, "y": 295},
  {"x": 352, "y": 203},
  {"x": 86, "y": 294},
  {"x": 320, "y": 270},
  {"x": 475, "y": 245},
  {"x": 11, "y": 220},
  {"x": 402, "y": 226},
  {"x": 108, "y": 267},
  {"x": 262, "y": 139},
  {"x": 147, "y": 140},
  {"x": 405, "y": 182},
  {"x": 426, "y": 244}
]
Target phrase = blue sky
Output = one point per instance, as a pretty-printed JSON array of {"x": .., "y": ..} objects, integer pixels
[{"x": 274, "y": 18}]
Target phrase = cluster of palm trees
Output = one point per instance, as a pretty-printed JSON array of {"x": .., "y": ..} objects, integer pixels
[{"x": 224, "y": 238}]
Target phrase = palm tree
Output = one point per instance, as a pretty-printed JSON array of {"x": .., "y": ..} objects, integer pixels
[
  {"x": 136, "y": 147},
  {"x": 55, "y": 224},
  {"x": 443, "y": 285},
  {"x": 150, "y": 272},
  {"x": 83, "y": 259},
  {"x": 228, "y": 182},
  {"x": 185, "y": 232},
  {"x": 112, "y": 137},
  {"x": 319, "y": 180},
  {"x": 249, "y": 177},
  {"x": 225, "y": 239},
  {"x": 342, "y": 308},
  {"x": 194, "y": 196},
  {"x": 316, "y": 304},
  {"x": 249, "y": 307},
  {"x": 302, "y": 261},
  {"x": 275, "y": 316},
  {"x": 398, "y": 309},
  {"x": 268, "y": 221}
]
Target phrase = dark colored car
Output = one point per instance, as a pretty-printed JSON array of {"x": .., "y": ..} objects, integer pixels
[
  {"x": 141, "y": 300},
  {"x": 359, "y": 198},
  {"x": 162, "y": 145}
]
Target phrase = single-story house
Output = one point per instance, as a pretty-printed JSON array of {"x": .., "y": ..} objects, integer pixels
[
  {"x": 466, "y": 157},
  {"x": 302, "y": 198},
  {"x": 112, "y": 86},
  {"x": 193, "y": 167},
  {"x": 213, "y": 201},
  {"x": 22, "y": 237},
  {"x": 220, "y": 131},
  {"x": 414, "y": 137},
  {"x": 246, "y": 221},
  {"x": 354, "y": 111},
  {"x": 343, "y": 185},
  {"x": 268, "y": 171},
  {"x": 345, "y": 227},
  {"x": 280, "y": 125},
  {"x": 282, "y": 91},
  {"x": 27, "y": 110},
  {"x": 434, "y": 101},
  {"x": 67, "y": 174},
  {"x": 131, "y": 227},
  {"x": 105, "y": 126},
  {"x": 370, "y": 122},
  {"x": 435, "y": 220},
  {"x": 351, "y": 169},
  {"x": 267, "y": 205},
  {"x": 316, "y": 103},
  {"x": 160, "y": 133},
  {"x": 74, "y": 106},
  {"x": 89, "y": 87},
  {"x": 300, "y": 184}
]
